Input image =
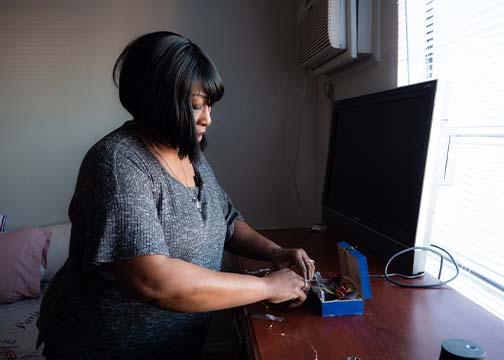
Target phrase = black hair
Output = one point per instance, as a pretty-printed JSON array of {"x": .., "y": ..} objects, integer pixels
[{"x": 155, "y": 74}]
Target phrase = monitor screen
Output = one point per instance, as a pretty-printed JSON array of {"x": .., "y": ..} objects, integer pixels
[{"x": 376, "y": 163}]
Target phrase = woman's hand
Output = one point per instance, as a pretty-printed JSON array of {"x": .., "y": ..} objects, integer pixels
[
  {"x": 295, "y": 259},
  {"x": 286, "y": 285}
]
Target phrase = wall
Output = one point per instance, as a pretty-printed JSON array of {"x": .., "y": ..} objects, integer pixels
[
  {"x": 57, "y": 99},
  {"x": 360, "y": 78}
]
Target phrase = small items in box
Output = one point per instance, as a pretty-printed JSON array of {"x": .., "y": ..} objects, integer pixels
[
  {"x": 344, "y": 294},
  {"x": 334, "y": 288}
]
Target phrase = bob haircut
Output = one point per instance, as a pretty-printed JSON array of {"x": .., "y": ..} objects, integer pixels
[{"x": 155, "y": 74}]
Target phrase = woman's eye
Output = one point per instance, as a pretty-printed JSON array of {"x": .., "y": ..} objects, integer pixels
[{"x": 197, "y": 107}]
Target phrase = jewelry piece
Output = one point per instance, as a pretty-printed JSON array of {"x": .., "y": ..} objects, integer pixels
[{"x": 193, "y": 197}]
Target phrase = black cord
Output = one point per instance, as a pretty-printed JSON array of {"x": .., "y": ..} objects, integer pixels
[
  {"x": 389, "y": 276},
  {"x": 294, "y": 165}
]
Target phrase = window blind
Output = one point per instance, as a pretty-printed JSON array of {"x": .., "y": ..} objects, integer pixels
[{"x": 460, "y": 44}]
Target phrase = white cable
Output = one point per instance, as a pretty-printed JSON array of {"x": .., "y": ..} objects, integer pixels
[{"x": 388, "y": 276}]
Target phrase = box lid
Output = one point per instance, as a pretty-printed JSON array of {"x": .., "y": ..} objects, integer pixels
[{"x": 354, "y": 265}]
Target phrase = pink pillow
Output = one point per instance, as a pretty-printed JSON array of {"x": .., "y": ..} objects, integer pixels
[{"x": 22, "y": 252}]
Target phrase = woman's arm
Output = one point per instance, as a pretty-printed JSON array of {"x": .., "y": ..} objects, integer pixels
[
  {"x": 181, "y": 286},
  {"x": 248, "y": 242}
]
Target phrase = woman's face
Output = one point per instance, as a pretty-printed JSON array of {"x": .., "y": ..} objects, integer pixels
[{"x": 201, "y": 111}]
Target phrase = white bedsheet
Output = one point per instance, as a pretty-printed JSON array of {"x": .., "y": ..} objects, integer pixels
[{"x": 18, "y": 330}]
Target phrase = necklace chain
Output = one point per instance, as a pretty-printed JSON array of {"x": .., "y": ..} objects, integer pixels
[{"x": 194, "y": 198}]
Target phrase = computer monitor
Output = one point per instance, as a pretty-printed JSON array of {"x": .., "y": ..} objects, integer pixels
[{"x": 375, "y": 169}]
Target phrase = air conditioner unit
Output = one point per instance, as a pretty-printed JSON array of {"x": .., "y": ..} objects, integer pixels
[{"x": 333, "y": 33}]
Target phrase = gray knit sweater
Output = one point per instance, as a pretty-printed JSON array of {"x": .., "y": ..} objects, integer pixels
[{"x": 125, "y": 205}]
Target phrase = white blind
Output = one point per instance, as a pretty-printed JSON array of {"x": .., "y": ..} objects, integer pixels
[{"x": 461, "y": 44}]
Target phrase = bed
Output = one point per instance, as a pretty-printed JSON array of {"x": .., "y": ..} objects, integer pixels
[{"x": 18, "y": 329}]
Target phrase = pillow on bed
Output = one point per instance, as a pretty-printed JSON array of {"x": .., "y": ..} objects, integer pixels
[
  {"x": 22, "y": 252},
  {"x": 58, "y": 251}
]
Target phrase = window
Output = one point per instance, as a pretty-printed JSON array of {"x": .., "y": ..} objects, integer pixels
[{"x": 460, "y": 44}]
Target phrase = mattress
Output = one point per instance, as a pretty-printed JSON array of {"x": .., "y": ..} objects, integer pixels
[{"x": 18, "y": 330}]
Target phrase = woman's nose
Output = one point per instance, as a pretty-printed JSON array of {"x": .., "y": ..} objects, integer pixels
[{"x": 205, "y": 119}]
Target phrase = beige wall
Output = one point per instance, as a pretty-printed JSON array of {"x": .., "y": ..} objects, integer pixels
[
  {"x": 360, "y": 78},
  {"x": 57, "y": 99}
]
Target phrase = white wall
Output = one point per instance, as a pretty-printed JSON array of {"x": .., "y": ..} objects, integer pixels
[
  {"x": 357, "y": 79},
  {"x": 57, "y": 99}
]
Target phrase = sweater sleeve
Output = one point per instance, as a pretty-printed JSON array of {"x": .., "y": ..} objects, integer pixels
[
  {"x": 114, "y": 209},
  {"x": 231, "y": 214}
]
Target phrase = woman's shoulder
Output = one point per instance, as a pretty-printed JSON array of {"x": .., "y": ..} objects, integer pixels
[
  {"x": 123, "y": 145},
  {"x": 122, "y": 138},
  {"x": 119, "y": 155}
]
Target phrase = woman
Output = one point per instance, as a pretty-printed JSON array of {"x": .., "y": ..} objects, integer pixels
[{"x": 150, "y": 222}]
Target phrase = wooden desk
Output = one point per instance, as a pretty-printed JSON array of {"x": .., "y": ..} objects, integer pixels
[{"x": 398, "y": 323}]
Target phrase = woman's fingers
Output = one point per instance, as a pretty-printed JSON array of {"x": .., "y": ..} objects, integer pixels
[
  {"x": 285, "y": 285},
  {"x": 306, "y": 265},
  {"x": 301, "y": 299},
  {"x": 309, "y": 264},
  {"x": 301, "y": 263},
  {"x": 311, "y": 268}
]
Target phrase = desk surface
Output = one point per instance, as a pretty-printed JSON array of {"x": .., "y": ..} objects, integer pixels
[{"x": 398, "y": 323}]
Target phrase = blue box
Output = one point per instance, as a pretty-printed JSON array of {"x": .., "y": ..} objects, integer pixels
[{"x": 353, "y": 266}]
